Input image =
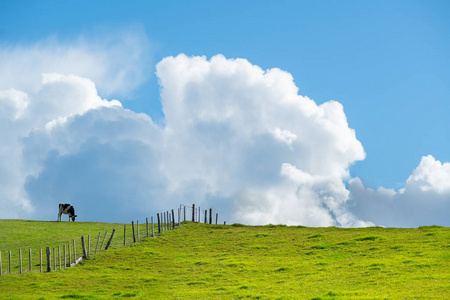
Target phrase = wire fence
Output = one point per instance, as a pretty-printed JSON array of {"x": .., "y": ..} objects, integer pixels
[{"x": 55, "y": 254}]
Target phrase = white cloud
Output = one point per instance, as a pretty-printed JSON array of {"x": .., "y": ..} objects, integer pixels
[
  {"x": 243, "y": 132},
  {"x": 235, "y": 137},
  {"x": 423, "y": 201},
  {"x": 117, "y": 62}
]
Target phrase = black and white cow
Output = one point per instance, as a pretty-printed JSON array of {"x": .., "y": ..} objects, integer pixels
[{"x": 66, "y": 209}]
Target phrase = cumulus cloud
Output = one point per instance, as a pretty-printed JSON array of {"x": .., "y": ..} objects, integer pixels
[
  {"x": 247, "y": 136},
  {"x": 235, "y": 137},
  {"x": 423, "y": 201}
]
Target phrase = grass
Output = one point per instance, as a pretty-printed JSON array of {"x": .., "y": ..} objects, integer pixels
[{"x": 199, "y": 261}]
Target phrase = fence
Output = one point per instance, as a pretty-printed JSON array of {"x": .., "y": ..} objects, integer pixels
[
  {"x": 44, "y": 256},
  {"x": 196, "y": 214}
]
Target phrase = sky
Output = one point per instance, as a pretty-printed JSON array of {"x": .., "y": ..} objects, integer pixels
[{"x": 314, "y": 113}]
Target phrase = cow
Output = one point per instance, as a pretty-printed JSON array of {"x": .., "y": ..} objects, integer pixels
[{"x": 66, "y": 209}]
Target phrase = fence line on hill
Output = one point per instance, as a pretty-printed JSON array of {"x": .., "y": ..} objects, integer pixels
[{"x": 62, "y": 254}]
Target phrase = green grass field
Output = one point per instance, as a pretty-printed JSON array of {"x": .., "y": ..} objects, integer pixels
[{"x": 199, "y": 261}]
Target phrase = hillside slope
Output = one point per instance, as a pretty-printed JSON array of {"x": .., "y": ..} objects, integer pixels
[{"x": 199, "y": 261}]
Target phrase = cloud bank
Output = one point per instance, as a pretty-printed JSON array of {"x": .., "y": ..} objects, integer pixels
[
  {"x": 423, "y": 201},
  {"x": 235, "y": 137}
]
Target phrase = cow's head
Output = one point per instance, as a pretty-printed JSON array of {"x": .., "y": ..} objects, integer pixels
[{"x": 73, "y": 218}]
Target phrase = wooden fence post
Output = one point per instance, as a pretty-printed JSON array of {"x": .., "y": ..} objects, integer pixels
[
  {"x": 20, "y": 260},
  {"x": 168, "y": 221},
  {"x": 173, "y": 219},
  {"x": 210, "y": 216},
  {"x": 179, "y": 218},
  {"x": 134, "y": 236},
  {"x": 74, "y": 252},
  {"x": 98, "y": 240},
  {"x": 146, "y": 223},
  {"x": 103, "y": 240},
  {"x": 199, "y": 215},
  {"x": 217, "y": 218},
  {"x": 184, "y": 213},
  {"x": 193, "y": 213},
  {"x": 110, "y": 239},
  {"x": 83, "y": 246},
  {"x": 59, "y": 256},
  {"x": 159, "y": 224},
  {"x": 9, "y": 261},
  {"x": 153, "y": 229},
  {"x": 206, "y": 216},
  {"x": 29, "y": 257},
  {"x": 124, "y": 233},
  {"x": 48, "y": 259}
]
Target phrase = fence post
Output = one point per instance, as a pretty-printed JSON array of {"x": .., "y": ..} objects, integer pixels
[
  {"x": 9, "y": 261},
  {"x": 98, "y": 240},
  {"x": 184, "y": 213},
  {"x": 134, "y": 236},
  {"x": 217, "y": 218},
  {"x": 199, "y": 215},
  {"x": 48, "y": 259},
  {"x": 59, "y": 256},
  {"x": 173, "y": 219},
  {"x": 146, "y": 223},
  {"x": 193, "y": 213},
  {"x": 83, "y": 246},
  {"x": 124, "y": 233},
  {"x": 110, "y": 239},
  {"x": 206, "y": 216},
  {"x": 103, "y": 240},
  {"x": 40, "y": 259},
  {"x": 159, "y": 224},
  {"x": 153, "y": 229},
  {"x": 29, "y": 257},
  {"x": 20, "y": 260},
  {"x": 210, "y": 216},
  {"x": 74, "y": 252},
  {"x": 64, "y": 253},
  {"x": 179, "y": 217}
]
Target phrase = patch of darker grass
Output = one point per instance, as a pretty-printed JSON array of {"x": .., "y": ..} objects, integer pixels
[
  {"x": 321, "y": 246},
  {"x": 130, "y": 295},
  {"x": 195, "y": 283},
  {"x": 76, "y": 296},
  {"x": 369, "y": 238},
  {"x": 315, "y": 236},
  {"x": 237, "y": 225},
  {"x": 261, "y": 235}
]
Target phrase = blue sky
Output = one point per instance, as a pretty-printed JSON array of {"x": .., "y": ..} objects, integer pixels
[{"x": 386, "y": 62}]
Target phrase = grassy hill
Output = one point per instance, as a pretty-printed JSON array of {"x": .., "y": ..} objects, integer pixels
[{"x": 199, "y": 261}]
